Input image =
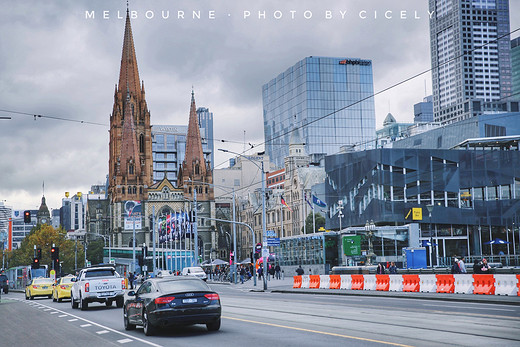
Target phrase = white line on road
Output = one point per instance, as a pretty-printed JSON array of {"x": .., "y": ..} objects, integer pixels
[
  {"x": 85, "y": 325},
  {"x": 102, "y": 332},
  {"x": 124, "y": 340},
  {"x": 54, "y": 312},
  {"x": 472, "y": 308},
  {"x": 63, "y": 315},
  {"x": 48, "y": 309},
  {"x": 73, "y": 320}
]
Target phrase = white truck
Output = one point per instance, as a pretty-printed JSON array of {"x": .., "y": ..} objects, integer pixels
[{"x": 97, "y": 284}]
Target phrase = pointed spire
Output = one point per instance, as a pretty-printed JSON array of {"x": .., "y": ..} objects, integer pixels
[
  {"x": 194, "y": 142},
  {"x": 129, "y": 151},
  {"x": 129, "y": 73}
]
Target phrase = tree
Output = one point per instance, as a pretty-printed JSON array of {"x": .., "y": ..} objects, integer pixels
[
  {"x": 95, "y": 251},
  {"x": 44, "y": 236},
  {"x": 319, "y": 221}
]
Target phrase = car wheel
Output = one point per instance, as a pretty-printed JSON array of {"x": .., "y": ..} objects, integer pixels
[
  {"x": 213, "y": 326},
  {"x": 73, "y": 303},
  {"x": 26, "y": 297},
  {"x": 128, "y": 325},
  {"x": 49, "y": 296},
  {"x": 120, "y": 301},
  {"x": 60, "y": 299},
  {"x": 108, "y": 303},
  {"x": 83, "y": 304},
  {"x": 148, "y": 328}
]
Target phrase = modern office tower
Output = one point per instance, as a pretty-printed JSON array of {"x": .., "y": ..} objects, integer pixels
[
  {"x": 21, "y": 229},
  {"x": 329, "y": 98},
  {"x": 515, "y": 68},
  {"x": 423, "y": 111},
  {"x": 470, "y": 54},
  {"x": 206, "y": 132},
  {"x": 169, "y": 147}
]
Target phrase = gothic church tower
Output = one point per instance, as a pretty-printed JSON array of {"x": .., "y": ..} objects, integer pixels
[{"x": 130, "y": 157}]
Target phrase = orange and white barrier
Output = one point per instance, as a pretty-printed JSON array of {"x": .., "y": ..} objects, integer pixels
[
  {"x": 314, "y": 281},
  {"x": 484, "y": 284},
  {"x": 346, "y": 282},
  {"x": 506, "y": 285},
  {"x": 428, "y": 283},
  {"x": 306, "y": 281},
  {"x": 445, "y": 284},
  {"x": 357, "y": 282},
  {"x": 396, "y": 283},
  {"x": 518, "y": 284},
  {"x": 297, "y": 282},
  {"x": 411, "y": 283},
  {"x": 463, "y": 284},
  {"x": 383, "y": 282},
  {"x": 369, "y": 282},
  {"x": 335, "y": 281},
  {"x": 324, "y": 282}
]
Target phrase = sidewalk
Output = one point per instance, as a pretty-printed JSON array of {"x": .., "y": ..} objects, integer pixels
[{"x": 286, "y": 286}]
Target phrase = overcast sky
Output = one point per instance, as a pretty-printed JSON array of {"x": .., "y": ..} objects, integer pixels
[{"x": 55, "y": 60}]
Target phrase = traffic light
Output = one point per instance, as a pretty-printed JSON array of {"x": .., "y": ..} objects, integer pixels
[
  {"x": 36, "y": 263},
  {"x": 55, "y": 253},
  {"x": 145, "y": 251},
  {"x": 27, "y": 216},
  {"x": 39, "y": 253},
  {"x": 140, "y": 260},
  {"x": 56, "y": 265}
]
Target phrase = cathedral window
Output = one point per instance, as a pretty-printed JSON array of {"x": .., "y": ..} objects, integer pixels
[
  {"x": 140, "y": 190},
  {"x": 206, "y": 190},
  {"x": 131, "y": 169},
  {"x": 135, "y": 190},
  {"x": 190, "y": 190},
  {"x": 141, "y": 143},
  {"x": 123, "y": 190},
  {"x": 196, "y": 169}
]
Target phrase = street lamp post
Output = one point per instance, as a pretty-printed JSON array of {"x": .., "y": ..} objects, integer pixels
[
  {"x": 369, "y": 228},
  {"x": 430, "y": 209},
  {"x": 264, "y": 237},
  {"x": 340, "y": 213}
]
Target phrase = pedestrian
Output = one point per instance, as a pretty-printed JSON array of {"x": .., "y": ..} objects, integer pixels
[
  {"x": 380, "y": 269},
  {"x": 135, "y": 280},
  {"x": 242, "y": 274},
  {"x": 271, "y": 271},
  {"x": 455, "y": 269},
  {"x": 277, "y": 271},
  {"x": 476, "y": 266},
  {"x": 485, "y": 267},
  {"x": 462, "y": 266},
  {"x": 260, "y": 272},
  {"x": 392, "y": 269},
  {"x": 299, "y": 271},
  {"x": 131, "y": 280}
]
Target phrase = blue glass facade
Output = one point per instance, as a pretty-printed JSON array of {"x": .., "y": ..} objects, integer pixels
[{"x": 330, "y": 98}]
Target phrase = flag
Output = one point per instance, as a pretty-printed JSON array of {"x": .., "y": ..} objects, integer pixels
[
  {"x": 282, "y": 200},
  {"x": 318, "y": 202},
  {"x": 312, "y": 207}
]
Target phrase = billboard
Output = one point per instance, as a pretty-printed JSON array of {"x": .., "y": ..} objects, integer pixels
[
  {"x": 352, "y": 245},
  {"x": 132, "y": 212},
  {"x": 173, "y": 226}
]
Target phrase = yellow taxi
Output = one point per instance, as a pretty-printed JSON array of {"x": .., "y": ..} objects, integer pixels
[
  {"x": 62, "y": 288},
  {"x": 39, "y": 286}
]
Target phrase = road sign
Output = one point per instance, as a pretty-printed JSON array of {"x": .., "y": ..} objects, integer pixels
[
  {"x": 89, "y": 264},
  {"x": 270, "y": 233},
  {"x": 352, "y": 245},
  {"x": 274, "y": 241},
  {"x": 416, "y": 213},
  {"x": 112, "y": 261},
  {"x": 265, "y": 252}
]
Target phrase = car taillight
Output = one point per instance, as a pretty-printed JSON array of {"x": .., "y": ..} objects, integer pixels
[
  {"x": 164, "y": 299},
  {"x": 63, "y": 287},
  {"x": 123, "y": 284},
  {"x": 87, "y": 287},
  {"x": 35, "y": 287},
  {"x": 212, "y": 296}
]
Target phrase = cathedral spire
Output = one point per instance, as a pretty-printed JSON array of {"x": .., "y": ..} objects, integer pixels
[
  {"x": 194, "y": 153},
  {"x": 129, "y": 162},
  {"x": 129, "y": 73}
]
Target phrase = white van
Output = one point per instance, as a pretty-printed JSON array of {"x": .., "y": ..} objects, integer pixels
[{"x": 195, "y": 271}]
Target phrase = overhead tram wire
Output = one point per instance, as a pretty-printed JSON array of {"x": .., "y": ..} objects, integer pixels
[{"x": 53, "y": 117}]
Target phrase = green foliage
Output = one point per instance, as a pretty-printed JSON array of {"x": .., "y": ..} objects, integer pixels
[
  {"x": 44, "y": 236},
  {"x": 95, "y": 251},
  {"x": 319, "y": 221}
]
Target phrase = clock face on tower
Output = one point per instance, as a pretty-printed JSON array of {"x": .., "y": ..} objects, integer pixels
[{"x": 44, "y": 220}]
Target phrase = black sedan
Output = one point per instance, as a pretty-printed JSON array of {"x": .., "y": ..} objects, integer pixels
[{"x": 169, "y": 301}]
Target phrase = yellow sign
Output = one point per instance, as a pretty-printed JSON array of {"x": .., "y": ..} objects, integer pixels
[
  {"x": 416, "y": 213},
  {"x": 66, "y": 194}
]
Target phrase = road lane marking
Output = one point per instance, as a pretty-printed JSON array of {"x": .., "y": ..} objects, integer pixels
[
  {"x": 109, "y": 329},
  {"x": 473, "y": 308},
  {"x": 317, "y": 332},
  {"x": 102, "y": 332},
  {"x": 54, "y": 312},
  {"x": 85, "y": 325},
  {"x": 73, "y": 320},
  {"x": 125, "y": 340},
  {"x": 48, "y": 309}
]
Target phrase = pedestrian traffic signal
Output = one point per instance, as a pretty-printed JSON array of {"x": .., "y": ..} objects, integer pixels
[
  {"x": 56, "y": 264},
  {"x": 55, "y": 253},
  {"x": 39, "y": 253},
  {"x": 35, "y": 263},
  {"x": 27, "y": 216}
]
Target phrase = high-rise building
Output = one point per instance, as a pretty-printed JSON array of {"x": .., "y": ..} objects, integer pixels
[
  {"x": 470, "y": 54},
  {"x": 130, "y": 157},
  {"x": 329, "y": 98},
  {"x": 20, "y": 228},
  {"x": 515, "y": 68},
  {"x": 423, "y": 111},
  {"x": 206, "y": 133}
]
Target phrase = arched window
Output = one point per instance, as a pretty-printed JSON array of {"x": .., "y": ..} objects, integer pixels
[
  {"x": 206, "y": 190},
  {"x": 140, "y": 190},
  {"x": 123, "y": 190},
  {"x": 190, "y": 190},
  {"x": 135, "y": 190},
  {"x": 131, "y": 169},
  {"x": 141, "y": 143},
  {"x": 196, "y": 169}
]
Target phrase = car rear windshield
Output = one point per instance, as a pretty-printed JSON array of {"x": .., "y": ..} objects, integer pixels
[
  {"x": 195, "y": 269},
  {"x": 99, "y": 273},
  {"x": 183, "y": 286},
  {"x": 42, "y": 281},
  {"x": 66, "y": 279}
]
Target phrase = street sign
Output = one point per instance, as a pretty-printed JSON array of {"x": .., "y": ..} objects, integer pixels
[
  {"x": 112, "y": 261},
  {"x": 416, "y": 213},
  {"x": 53, "y": 275},
  {"x": 270, "y": 233},
  {"x": 258, "y": 248},
  {"x": 265, "y": 252},
  {"x": 352, "y": 245},
  {"x": 89, "y": 263},
  {"x": 145, "y": 268},
  {"x": 274, "y": 241}
]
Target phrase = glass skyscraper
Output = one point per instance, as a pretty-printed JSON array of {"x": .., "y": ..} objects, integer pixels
[{"x": 329, "y": 98}]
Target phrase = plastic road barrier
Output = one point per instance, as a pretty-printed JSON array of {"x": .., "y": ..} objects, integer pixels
[
  {"x": 484, "y": 284},
  {"x": 411, "y": 283},
  {"x": 335, "y": 281},
  {"x": 315, "y": 281},
  {"x": 383, "y": 282},
  {"x": 297, "y": 282},
  {"x": 428, "y": 283},
  {"x": 518, "y": 284},
  {"x": 357, "y": 282},
  {"x": 306, "y": 281},
  {"x": 324, "y": 281},
  {"x": 445, "y": 284},
  {"x": 463, "y": 284},
  {"x": 369, "y": 282},
  {"x": 396, "y": 283},
  {"x": 506, "y": 285},
  {"x": 346, "y": 282}
]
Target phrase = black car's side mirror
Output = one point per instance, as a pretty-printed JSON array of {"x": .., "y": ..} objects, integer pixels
[{"x": 131, "y": 293}]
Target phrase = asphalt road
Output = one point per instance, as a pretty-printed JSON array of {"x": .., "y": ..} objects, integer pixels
[{"x": 272, "y": 319}]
